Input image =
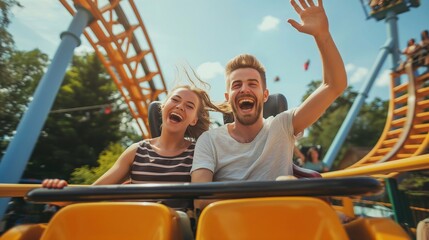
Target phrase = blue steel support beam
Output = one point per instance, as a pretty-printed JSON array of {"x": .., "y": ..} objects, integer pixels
[
  {"x": 390, "y": 47},
  {"x": 19, "y": 150},
  {"x": 392, "y": 32}
]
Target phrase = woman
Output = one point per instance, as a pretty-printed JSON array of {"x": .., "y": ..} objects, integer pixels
[{"x": 167, "y": 158}]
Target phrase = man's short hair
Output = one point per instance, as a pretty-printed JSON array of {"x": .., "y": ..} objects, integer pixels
[{"x": 245, "y": 61}]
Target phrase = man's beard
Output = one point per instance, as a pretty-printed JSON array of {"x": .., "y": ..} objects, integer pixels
[{"x": 247, "y": 119}]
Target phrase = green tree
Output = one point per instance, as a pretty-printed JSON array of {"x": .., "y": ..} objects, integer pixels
[
  {"x": 369, "y": 124},
  {"x": 78, "y": 129},
  {"x": 366, "y": 128},
  {"x": 6, "y": 43},
  {"x": 88, "y": 175},
  {"x": 23, "y": 72},
  {"x": 12, "y": 101}
]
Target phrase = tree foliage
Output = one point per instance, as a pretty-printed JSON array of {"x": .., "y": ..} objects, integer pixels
[
  {"x": 23, "y": 72},
  {"x": 88, "y": 175},
  {"x": 370, "y": 123},
  {"x": 19, "y": 71},
  {"x": 365, "y": 131},
  {"x": 73, "y": 138},
  {"x": 413, "y": 181},
  {"x": 6, "y": 43}
]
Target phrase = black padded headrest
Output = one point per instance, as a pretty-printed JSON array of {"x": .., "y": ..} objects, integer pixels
[
  {"x": 275, "y": 104},
  {"x": 155, "y": 118}
]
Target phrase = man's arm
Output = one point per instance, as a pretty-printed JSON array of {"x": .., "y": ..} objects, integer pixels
[
  {"x": 200, "y": 176},
  {"x": 315, "y": 23},
  {"x": 203, "y": 166}
]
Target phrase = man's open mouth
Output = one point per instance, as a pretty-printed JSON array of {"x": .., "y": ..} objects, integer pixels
[{"x": 246, "y": 103}]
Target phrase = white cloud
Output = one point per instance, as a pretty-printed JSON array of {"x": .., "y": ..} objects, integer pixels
[
  {"x": 210, "y": 70},
  {"x": 383, "y": 79},
  {"x": 350, "y": 67},
  {"x": 357, "y": 75},
  {"x": 268, "y": 23}
]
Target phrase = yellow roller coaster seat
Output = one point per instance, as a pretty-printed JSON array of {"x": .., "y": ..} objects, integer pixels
[
  {"x": 24, "y": 232},
  {"x": 375, "y": 229},
  {"x": 270, "y": 218},
  {"x": 113, "y": 220}
]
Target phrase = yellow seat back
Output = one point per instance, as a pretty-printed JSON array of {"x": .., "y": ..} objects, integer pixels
[
  {"x": 24, "y": 232},
  {"x": 270, "y": 218},
  {"x": 113, "y": 220},
  {"x": 375, "y": 229}
]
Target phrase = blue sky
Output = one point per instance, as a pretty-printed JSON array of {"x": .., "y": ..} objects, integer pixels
[{"x": 206, "y": 34}]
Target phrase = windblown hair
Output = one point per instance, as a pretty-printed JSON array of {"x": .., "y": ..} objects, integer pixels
[
  {"x": 205, "y": 105},
  {"x": 245, "y": 61}
]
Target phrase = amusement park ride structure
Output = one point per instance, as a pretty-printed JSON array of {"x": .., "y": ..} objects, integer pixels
[
  {"x": 381, "y": 10},
  {"x": 126, "y": 51},
  {"x": 124, "y": 47}
]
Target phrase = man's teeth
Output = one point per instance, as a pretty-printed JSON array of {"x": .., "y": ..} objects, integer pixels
[{"x": 245, "y": 100}]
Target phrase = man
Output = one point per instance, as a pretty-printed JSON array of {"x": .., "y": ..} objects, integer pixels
[{"x": 253, "y": 148}]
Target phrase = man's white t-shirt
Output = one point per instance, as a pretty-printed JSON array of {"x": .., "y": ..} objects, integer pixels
[{"x": 268, "y": 156}]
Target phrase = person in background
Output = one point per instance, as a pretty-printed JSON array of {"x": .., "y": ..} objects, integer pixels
[
  {"x": 411, "y": 54},
  {"x": 300, "y": 158},
  {"x": 313, "y": 162},
  {"x": 424, "y": 46}
]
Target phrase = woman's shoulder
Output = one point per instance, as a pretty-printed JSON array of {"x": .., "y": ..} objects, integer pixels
[{"x": 145, "y": 143}]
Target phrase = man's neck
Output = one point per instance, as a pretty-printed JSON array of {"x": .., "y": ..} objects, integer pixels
[{"x": 245, "y": 133}]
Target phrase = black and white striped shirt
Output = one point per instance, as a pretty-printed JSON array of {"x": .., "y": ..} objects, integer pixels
[{"x": 149, "y": 166}]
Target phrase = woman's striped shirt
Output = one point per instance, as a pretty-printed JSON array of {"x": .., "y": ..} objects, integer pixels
[{"x": 149, "y": 166}]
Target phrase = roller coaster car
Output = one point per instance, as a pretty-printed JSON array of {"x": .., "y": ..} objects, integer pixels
[
  {"x": 289, "y": 209},
  {"x": 255, "y": 210}
]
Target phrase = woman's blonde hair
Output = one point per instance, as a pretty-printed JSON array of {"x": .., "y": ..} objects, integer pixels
[{"x": 205, "y": 105}]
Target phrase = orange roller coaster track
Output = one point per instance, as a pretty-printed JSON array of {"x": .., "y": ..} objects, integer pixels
[{"x": 125, "y": 50}]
